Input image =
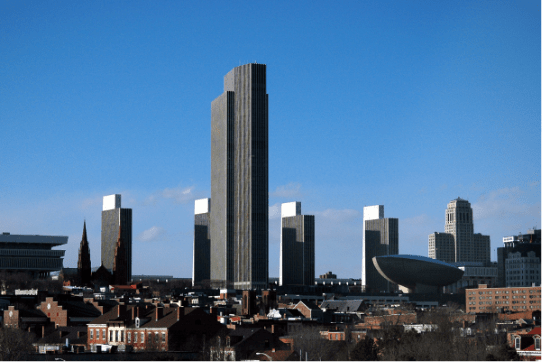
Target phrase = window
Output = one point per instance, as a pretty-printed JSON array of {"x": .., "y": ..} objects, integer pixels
[
  {"x": 537, "y": 343},
  {"x": 518, "y": 343},
  {"x": 156, "y": 337},
  {"x": 110, "y": 336},
  {"x": 116, "y": 336},
  {"x": 92, "y": 334},
  {"x": 122, "y": 336},
  {"x": 163, "y": 336},
  {"x": 142, "y": 337},
  {"x": 103, "y": 334},
  {"x": 135, "y": 337},
  {"x": 129, "y": 337}
]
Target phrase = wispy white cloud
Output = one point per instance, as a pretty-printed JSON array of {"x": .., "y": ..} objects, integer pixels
[
  {"x": 90, "y": 202},
  {"x": 290, "y": 190},
  {"x": 152, "y": 234},
  {"x": 179, "y": 195},
  {"x": 274, "y": 211},
  {"x": 500, "y": 203},
  {"x": 414, "y": 232}
]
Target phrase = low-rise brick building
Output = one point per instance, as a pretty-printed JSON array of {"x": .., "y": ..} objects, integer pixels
[
  {"x": 150, "y": 328},
  {"x": 64, "y": 311},
  {"x": 492, "y": 300}
]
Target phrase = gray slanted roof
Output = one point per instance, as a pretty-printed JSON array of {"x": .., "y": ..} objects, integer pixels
[{"x": 343, "y": 306}]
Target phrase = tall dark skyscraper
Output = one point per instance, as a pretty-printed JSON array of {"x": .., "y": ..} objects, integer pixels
[
  {"x": 239, "y": 180},
  {"x": 380, "y": 237},
  {"x": 114, "y": 216},
  {"x": 201, "y": 268},
  {"x": 296, "y": 246}
]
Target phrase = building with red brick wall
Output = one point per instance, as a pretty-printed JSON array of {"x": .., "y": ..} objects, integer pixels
[
  {"x": 309, "y": 310},
  {"x": 11, "y": 317},
  {"x": 55, "y": 312},
  {"x": 491, "y": 300},
  {"x": 65, "y": 311},
  {"x": 150, "y": 328}
]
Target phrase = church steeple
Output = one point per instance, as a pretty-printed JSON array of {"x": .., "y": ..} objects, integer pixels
[
  {"x": 120, "y": 263},
  {"x": 83, "y": 262}
]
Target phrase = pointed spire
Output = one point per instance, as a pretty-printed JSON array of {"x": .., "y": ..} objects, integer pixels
[
  {"x": 83, "y": 263},
  {"x": 85, "y": 232}
]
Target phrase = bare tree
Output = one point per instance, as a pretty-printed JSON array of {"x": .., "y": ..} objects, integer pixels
[
  {"x": 365, "y": 350},
  {"x": 15, "y": 344},
  {"x": 313, "y": 347}
]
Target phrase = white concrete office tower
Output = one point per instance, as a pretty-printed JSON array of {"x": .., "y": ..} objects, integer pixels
[
  {"x": 380, "y": 237},
  {"x": 296, "y": 246},
  {"x": 201, "y": 265},
  {"x": 459, "y": 243},
  {"x": 114, "y": 216}
]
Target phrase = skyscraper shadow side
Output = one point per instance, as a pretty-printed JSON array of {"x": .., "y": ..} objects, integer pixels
[{"x": 239, "y": 180}]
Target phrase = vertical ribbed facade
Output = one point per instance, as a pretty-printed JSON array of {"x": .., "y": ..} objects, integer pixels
[
  {"x": 239, "y": 179},
  {"x": 111, "y": 220},
  {"x": 381, "y": 238},
  {"x": 459, "y": 243},
  {"x": 201, "y": 270},
  {"x": 297, "y": 250}
]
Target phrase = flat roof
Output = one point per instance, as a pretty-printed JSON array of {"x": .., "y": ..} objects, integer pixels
[{"x": 33, "y": 239}]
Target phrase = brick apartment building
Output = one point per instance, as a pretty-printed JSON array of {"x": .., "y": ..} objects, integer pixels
[{"x": 490, "y": 300}]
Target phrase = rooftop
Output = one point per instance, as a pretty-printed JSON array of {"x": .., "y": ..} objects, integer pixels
[{"x": 33, "y": 239}]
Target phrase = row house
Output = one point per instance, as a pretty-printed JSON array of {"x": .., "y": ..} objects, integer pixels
[{"x": 149, "y": 328}]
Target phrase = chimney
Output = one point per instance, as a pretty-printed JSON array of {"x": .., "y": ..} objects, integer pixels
[
  {"x": 121, "y": 310},
  {"x": 180, "y": 312},
  {"x": 133, "y": 312},
  {"x": 159, "y": 313}
]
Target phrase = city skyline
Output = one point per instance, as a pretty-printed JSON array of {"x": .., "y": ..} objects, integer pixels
[{"x": 408, "y": 106}]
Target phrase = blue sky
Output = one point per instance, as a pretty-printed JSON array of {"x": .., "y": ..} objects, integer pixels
[{"x": 408, "y": 104}]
